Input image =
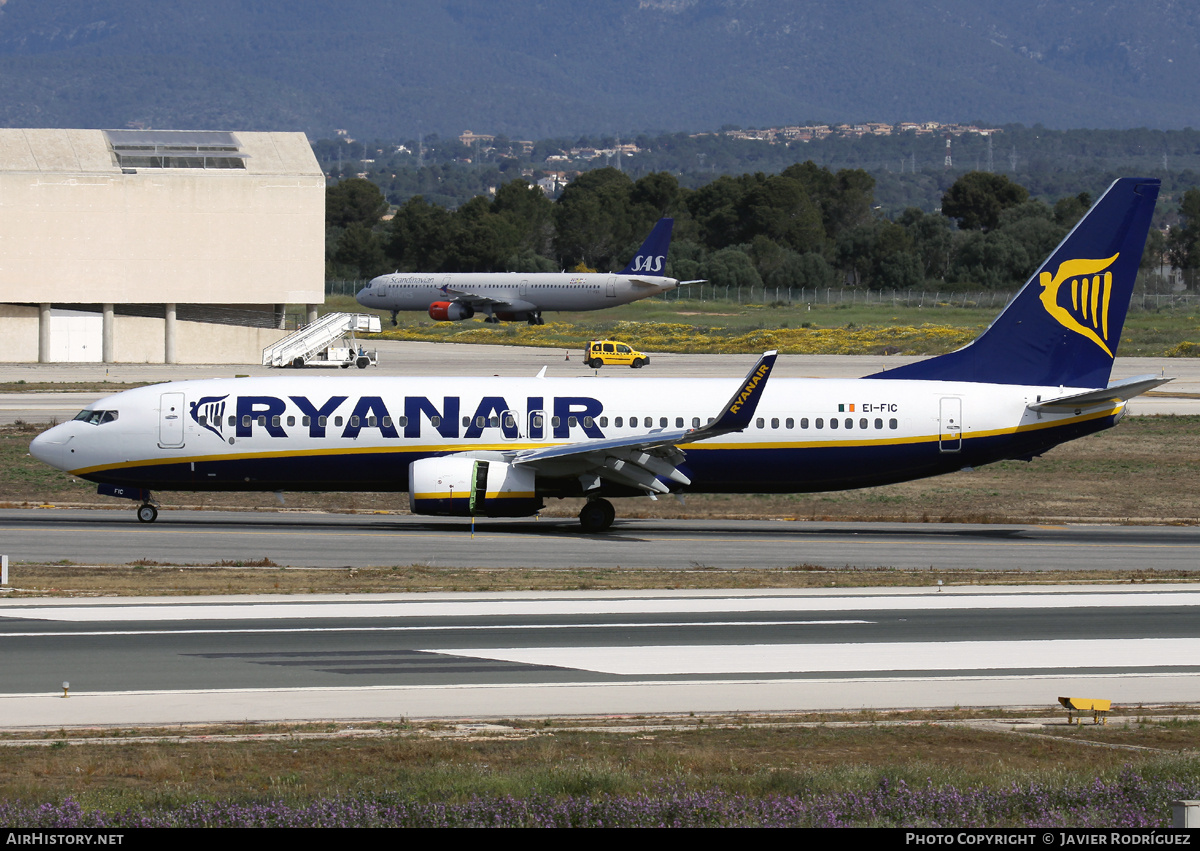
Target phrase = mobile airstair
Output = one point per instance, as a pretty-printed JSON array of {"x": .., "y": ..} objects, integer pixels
[{"x": 329, "y": 341}]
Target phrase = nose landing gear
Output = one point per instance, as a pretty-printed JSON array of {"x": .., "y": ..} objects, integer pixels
[{"x": 147, "y": 513}]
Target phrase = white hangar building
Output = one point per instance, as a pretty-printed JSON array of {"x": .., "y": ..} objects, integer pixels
[{"x": 155, "y": 246}]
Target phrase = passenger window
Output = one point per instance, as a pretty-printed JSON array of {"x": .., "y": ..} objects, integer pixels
[
  {"x": 354, "y": 421},
  {"x": 604, "y": 422},
  {"x": 402, "y": 421},
  {"x": 372, "y": 422},
  {"x": 804, "y": 422},
  {"x": 245, "y": 421},
  {"x": 275, "y": 421},
  {"x": 572, "y": 422},
  {"x": 695, "y": 422},
  {"x": 508, "y": 421},
  {"x": 587, "y": 422},
  {"x": 262, "y": 420},
  {"x": 648, "y": 422},
  {"x": 662, "y": 422},
  {"x": 322, "y": 421},
  {"x": 493, "y": 422},
  {"x": 893, "y": 423},
  {"x": 556, "y": 421},
  {"x": 774, "y": 422},
  {"x": 878, "y": 423},
  {"x": 820, "y": 422},
  {"x": 849, "y": 423},
  {"x": 291, "y": 421},
  {"x": 433, "y": 421},
  {"x": 387, "y": 422},
  {"x": 232, "y": 420},
  {"x": 790, "y": 423},
  {"x": 833, "y": 423},
  {"x": 862, "y": 423},
  {"x": 759, "y": 423},
  {"x": 337, "y": 421},
  {"x": 679, "y": 422}
]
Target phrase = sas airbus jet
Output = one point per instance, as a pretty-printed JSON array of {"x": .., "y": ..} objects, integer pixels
[
  {"x": 517, "y": 295},
  {"x": 499, "y": 447}
]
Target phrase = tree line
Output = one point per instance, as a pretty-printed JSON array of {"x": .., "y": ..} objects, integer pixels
[{"x": 806, "y": 226}]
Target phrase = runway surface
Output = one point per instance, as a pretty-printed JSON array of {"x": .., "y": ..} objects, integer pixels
[
  {"x": 307, "y": 539},
  {"x": 133, "y": 662},
  {"x": 166, "y": 661}
]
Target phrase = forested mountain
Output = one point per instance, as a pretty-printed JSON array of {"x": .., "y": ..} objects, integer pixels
[{"x": 533, "y": 69}]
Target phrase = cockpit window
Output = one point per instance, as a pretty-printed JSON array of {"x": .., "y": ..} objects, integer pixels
[{"x": 96, "y": 417}]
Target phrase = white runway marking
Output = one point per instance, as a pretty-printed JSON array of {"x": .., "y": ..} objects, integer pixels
[
  {"x": 591, "y": 606},
  {"x": 828, "y": 658},
  {"x": 439, "y": 628}
]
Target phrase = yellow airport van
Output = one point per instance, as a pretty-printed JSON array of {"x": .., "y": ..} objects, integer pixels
[{"x": 612, "y": 353}]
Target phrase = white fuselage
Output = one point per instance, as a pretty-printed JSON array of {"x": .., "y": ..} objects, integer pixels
[
  {"x": 352, "y": 433},
  {"x": 511, "y": 292}
]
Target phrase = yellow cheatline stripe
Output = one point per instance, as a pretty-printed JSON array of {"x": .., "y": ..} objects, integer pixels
[
  {"x": 501, "y": 447},
  {"x": 466, "y": 494}
]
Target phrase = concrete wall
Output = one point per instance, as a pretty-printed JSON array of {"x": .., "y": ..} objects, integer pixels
[
  {"x": 137, "y": 339},
  {"x": 75, "y": 228},
  {"x": 18, "y": 333}
]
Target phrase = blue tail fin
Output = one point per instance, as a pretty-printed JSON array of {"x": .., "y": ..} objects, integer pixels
[
  {"x": 1063, "y": 327},
  {"x": 651, "y": 258}
]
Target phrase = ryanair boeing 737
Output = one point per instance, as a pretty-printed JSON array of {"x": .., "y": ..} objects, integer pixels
[
  {"x": 523, "y": 296},
  {"x": 499, "y": 447}
]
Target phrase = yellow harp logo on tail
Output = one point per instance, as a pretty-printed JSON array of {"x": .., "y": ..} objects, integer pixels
[{"x": 1091, "y": 284}]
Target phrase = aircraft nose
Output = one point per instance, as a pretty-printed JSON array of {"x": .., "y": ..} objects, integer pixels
[{"x": 50, "y": 447}]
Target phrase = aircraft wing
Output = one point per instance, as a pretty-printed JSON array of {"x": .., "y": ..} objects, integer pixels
[
  {"x": 639, "y": 460},
  {"x": 1113, "y": 394},
  {"x": 473, "y": 299}
]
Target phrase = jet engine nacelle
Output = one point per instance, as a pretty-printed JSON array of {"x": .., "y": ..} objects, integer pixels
[
  {"x": 451, "y": 311},
  {"x": 459, "y": 486}
]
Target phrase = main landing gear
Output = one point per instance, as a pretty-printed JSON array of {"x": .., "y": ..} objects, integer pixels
[
  {"x": 147, "y": 513},
  {"x": 535, "y": 319},
  {"x": 596, "y": 516}
]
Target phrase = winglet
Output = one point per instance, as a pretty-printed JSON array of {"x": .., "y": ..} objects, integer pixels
[{"x": 739, "y": 410}]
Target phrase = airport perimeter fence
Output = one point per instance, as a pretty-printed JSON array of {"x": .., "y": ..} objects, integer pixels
[
  {"x": 990, "y": 299},
  {"x": 795, "y": 296}
]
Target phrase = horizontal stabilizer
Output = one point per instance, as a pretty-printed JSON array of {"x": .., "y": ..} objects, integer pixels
[{"x": 1114, "y": 394}]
